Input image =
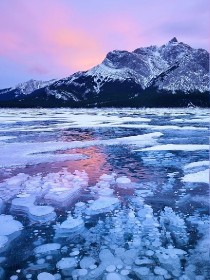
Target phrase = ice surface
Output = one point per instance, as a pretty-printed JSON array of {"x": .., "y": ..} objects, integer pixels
[
  {"x": 21, "y": 154},
  {"x": 18, "y": 154},
  {"x": 117, "y": 227}
]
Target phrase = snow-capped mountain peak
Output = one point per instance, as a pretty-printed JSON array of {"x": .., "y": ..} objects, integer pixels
[
  {"x": 32, "y": 85},
  {"x": 173, "y": 40},
  {"x": 174, "y": 74}
]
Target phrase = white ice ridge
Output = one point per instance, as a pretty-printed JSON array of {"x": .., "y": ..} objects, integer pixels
[
  {"x": 197, "y": 164},
  {"x": 198, "y": 177},
  {"x": 177, "y": 147},
  {"x": 79, "y": 119},
  {"x": 193, "y": 120},
  {"x": 16, "y": 154},
  {"x": 162, "y": 127},
  {"x": 3, "y": 138},
  {"x": 9, "y": 230},
  {"x": 130, "y": 124}
]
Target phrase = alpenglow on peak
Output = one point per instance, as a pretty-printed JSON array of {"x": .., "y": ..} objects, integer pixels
[{"x": 171, "y": 75}]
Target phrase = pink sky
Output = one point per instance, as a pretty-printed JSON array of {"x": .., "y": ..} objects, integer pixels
[{"x": 44, "y": 39}]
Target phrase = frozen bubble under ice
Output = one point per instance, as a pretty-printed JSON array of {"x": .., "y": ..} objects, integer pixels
[
  {"x": 47, "y": 248},
  {"x": 45, "y": 276},
  {"x": 66, "y": 263}
]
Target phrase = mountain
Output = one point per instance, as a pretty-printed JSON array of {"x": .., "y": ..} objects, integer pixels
[{"x": 172, "y": 75}]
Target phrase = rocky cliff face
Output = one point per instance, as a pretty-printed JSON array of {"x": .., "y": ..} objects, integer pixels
[{"x": 171, "y": 75}]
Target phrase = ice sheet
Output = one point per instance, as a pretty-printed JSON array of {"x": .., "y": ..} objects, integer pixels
[{"x": 18, "y": 154}]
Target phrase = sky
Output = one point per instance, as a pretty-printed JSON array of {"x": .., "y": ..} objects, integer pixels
[{"x": 46, "y": 39}]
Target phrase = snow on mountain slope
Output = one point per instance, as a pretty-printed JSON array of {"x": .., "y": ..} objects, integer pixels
[
  {"x": 27, "y": 87},
  {"x": 147, "y": 73}
]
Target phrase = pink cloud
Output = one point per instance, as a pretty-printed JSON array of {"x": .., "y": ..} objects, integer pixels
[
  {"x": 47, "y": 37},
  {"x": 56, "y": 38}
]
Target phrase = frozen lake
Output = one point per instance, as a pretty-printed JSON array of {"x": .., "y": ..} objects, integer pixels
[{"x": 104, "y": 194}]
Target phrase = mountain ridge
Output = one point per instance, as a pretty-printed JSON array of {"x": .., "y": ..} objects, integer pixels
[{"x": 143, "y": 77}]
